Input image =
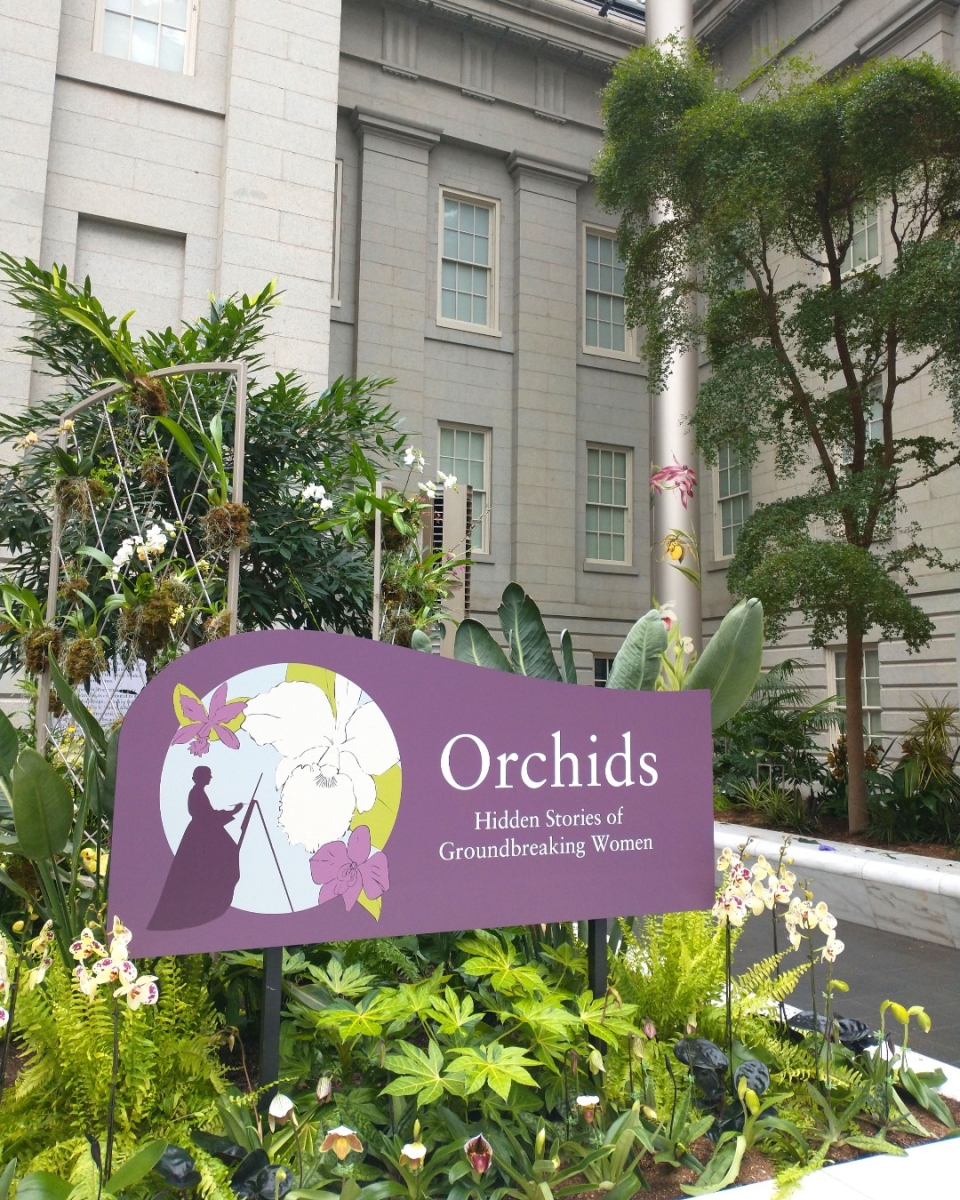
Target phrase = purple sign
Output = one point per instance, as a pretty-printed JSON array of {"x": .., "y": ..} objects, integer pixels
[{"x": 289, "y": 787}]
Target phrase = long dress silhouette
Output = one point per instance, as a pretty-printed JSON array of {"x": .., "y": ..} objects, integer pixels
[{"x": 206, "y": 867}]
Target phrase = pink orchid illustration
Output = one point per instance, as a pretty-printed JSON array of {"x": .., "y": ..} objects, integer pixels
[
  {"x": 350, "y": 869},
  {"x": 202, "y": 724},
  {"x": 678, "y": 477}
]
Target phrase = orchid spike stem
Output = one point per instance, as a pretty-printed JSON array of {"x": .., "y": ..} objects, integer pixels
[{"x": 112, "y": 1103}]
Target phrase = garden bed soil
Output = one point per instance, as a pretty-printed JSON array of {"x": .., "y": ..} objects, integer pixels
[
  {"x": 834, "y": 829},
  {"x": 663, "y": 1181}
]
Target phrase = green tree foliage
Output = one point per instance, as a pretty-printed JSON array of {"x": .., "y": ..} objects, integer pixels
[
  {"x": 298, "y": 575},
  {"x": 763, "y": 198}
]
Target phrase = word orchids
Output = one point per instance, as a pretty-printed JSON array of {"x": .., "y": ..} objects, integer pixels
[{"x": 466, "y": 763}]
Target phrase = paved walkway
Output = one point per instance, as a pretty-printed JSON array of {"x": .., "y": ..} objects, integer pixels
[{"x": 882, "y": 966}]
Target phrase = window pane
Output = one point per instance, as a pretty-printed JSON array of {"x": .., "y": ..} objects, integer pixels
[
  {"x": 481, "y": 250},
  {"x": 149, "y": 9},
  {"x": 450, "y": 210},
  {"x": 450, "y": 243},
  {"x": 172, "y": 48},
  {"x": 448, "y": 304},
  {"x": 480, "y": 311},
  {"x": 143, "y": 48},
  {"x": 175, "y": 13},
  {"x": 116, "y": 35},
  {"x": 120, "y": 6}
]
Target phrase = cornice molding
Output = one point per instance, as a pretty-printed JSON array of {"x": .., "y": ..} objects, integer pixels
[
  {"x": 520, "y": 164},
  {"x": 563, "y": 37},
  {"x": 366, "y": 123},
  {"x": 907, "y": 17}
]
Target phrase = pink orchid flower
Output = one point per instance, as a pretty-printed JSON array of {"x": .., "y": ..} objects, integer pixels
[
  {"x": 676, "y": 477},
  {"x": 347, "y": 870},
  {"x": 202, "y": 724}
]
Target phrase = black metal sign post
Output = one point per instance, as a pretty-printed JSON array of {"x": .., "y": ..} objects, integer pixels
[
  {"x": 597, "y": 957},
  {"x": 270, "y": 1023}
]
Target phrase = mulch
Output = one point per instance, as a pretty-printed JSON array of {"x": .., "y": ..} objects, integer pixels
[{"x": 834, "y": 829}]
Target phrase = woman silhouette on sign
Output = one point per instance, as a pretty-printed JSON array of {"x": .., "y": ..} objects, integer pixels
[{"x": 206, "y": 867}]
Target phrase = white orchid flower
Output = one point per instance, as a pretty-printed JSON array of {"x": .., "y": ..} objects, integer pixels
[{"x": 326, "y": 773}]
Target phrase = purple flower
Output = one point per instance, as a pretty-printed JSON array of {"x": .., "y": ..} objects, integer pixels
[
  {"x": 678, "y": 477},
  {"x": 202, "y": 724},
  {"x": 350, "y": 869}
]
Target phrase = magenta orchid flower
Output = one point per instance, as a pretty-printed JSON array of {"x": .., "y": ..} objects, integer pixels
[
  {"x": 202, "y": 724},
  {"x": 676, "y": 477},
  {"x": 347, "y": 870}
]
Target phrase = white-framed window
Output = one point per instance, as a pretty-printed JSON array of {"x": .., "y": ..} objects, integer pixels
[
  {"x": 864, "y": 249},
  {"x": 468, "y": 251},
  {"x": 870, "y": 686},
  {"x": 602, "y": 666},
  {"x": 337, "y": 208},
  {"x": 465, "y": 453},
  {"x": 874, "y": 414},
  {"x": 608, "y": 523},
  {"x": 604, "y": 315},
  {"x": 733, "y": 498},
  {"x": 155, "y": 33}
]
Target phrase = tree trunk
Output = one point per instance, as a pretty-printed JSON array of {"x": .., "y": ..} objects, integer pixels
[{"x": 853, "y": 678}]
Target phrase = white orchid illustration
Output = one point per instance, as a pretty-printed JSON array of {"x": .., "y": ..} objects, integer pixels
[{"x": 326, "y": 773}]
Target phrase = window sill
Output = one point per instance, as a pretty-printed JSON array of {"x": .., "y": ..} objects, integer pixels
[
  {"x": 466, "y": 327},
  {"x": 609, "y": 568},
  {"x": 481, "y": 556},
  {"x": 202, "y": 92}
]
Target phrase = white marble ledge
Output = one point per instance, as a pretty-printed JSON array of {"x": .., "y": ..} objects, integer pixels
[{"x": 915, "y": 872}]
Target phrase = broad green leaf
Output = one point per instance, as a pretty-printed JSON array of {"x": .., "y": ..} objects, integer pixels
[
  {"x": 420, "y": 641},
  {"x": 730, "y": 665},
  {"x": 722, "y": 1169},
  {"x": 7, "y": 1178},
  {"x": 135, "y": 1167},
  {"x": 418, "y": 1074},
  {"x": 637, "y": 664},
  {"x": 42, "y": 807},
  {"x": 42, "y": 1185},
  {"x": 97, "y": 555},
  {"x": 497, "y": 1067},
  {"x": 526, "y": 635},
  {"x": 9, "y": 746},
  {"x": 567, "y": 664},
  {"x": 473, "y": 643}
]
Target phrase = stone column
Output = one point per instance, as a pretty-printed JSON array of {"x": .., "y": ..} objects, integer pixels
[
  {"x": 544, "y": 515},
  {"x": 29, "y": 40},
  {"x": 276, "y": 219},
  {"x": 671, "y": 438},
  {"x": 395, "y": 208}
]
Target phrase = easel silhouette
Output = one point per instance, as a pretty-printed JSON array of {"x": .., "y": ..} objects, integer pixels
[{"x": 254, "y": 803}]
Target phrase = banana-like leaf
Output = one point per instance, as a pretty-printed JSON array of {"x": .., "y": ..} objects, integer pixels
[
  {"x": 136, "y": 1167},
  {"x": 420, "y": 641},
  {"x": 526, "y": 635},
  {"x": 9, "y": 746},
  {"x": 566, "y": 658},
  {"x": 92, "y": 729},
  {"x": 7, "y": 1178},
  {"x": 42, "y": 1185},
  {"x": 730, "y": 665},
  {"x": 42, "y": 807},
  {"x": 637, "y": 664},
  {"x": 474, "y": 644}
]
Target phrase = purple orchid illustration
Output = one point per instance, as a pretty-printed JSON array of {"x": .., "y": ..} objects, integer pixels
[
  {"x": 347, "y": 870},
  {"x": 202, "y": 724},
  {"x": 676, "y": 477}
]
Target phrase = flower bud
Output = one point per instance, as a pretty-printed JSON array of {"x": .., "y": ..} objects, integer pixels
[
  {"x": 324, "y": 1089},
  {"x": 649, "y": 1030}
]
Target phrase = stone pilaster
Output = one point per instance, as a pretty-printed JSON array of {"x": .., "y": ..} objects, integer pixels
[{"x": 544, "y": 516}]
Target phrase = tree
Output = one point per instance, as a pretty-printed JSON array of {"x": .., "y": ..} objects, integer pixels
[
  {"x": 765, "y": 196},
  {"x": 301, "y": 572}
]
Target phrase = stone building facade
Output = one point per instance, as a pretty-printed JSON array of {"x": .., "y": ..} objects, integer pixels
[{"x": 416, "y": 175}]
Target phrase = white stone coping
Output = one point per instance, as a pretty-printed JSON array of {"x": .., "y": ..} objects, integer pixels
[{"x": 917, "y": 872}]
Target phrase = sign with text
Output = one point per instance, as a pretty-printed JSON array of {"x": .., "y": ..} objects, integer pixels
[{"x": 291, "y": 787}]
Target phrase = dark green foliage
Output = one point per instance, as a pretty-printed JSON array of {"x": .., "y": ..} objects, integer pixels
[
  {"x": 777, "y": 727},
  {"x": 300, "y": 576}
]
